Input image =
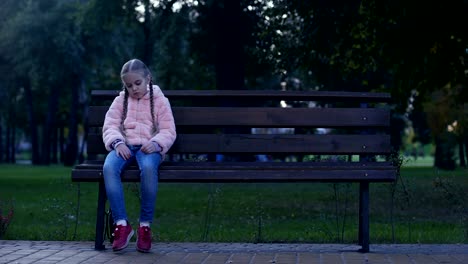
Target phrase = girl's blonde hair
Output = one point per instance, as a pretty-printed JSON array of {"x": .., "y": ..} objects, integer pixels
[
  {"x": 139, "y": 67},
  {"x": 135, "y": 66}
]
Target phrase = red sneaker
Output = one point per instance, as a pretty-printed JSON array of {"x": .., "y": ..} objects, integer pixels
[
  {"x": 122, "y": 235},
  {"x": 144, "y": 239}
]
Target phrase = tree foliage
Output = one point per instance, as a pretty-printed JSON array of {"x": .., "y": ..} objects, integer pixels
[{"x": 53, "y": 53}]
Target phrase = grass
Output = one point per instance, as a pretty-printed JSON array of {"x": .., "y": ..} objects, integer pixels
[{"x": 429, "y": 207}]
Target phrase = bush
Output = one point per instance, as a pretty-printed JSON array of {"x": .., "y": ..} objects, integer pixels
[{"x": 5, "y": 217}]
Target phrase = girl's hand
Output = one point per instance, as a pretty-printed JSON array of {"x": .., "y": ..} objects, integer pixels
[
  {"x": 123, "y": 151},
  {"x": 150, "y": 147}
]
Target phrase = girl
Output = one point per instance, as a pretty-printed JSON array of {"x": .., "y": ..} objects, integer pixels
[{"x": 139, "y": 125}]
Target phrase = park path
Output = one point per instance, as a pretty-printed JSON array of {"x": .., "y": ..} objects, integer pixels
[{"x": 47, "y": 252}]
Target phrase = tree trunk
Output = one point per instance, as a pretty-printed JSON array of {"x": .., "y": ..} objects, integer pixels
[
  {"x": 13, "y": 141},
  {"x": 10, "y": 148},
  {"x": 71, "y": 149},
  {"x": 437, "y": 154},
  {"x": 81, "y": 155},
  {"x": 45, "y": 145},
  {"x": 465, "y": 142},
  {"x": 50, "y": 125},
  {"x": 230, "y": 60},
  {"x": 461, "y": 152},
  {"x": 148, "y": 44},
  {"x": 1, "y": 141},
  {"x": 229, "y": 47},
  {"x": 85, "y": 103},
  {"x": 62, "y": 142},
  {"x": 54, "y": 143},
  {"x": 13, "y": 131},
  {"x": 32, "y": 122},
  {"x": 444, "y": 153},
  {"x": 8, "y": 143}
]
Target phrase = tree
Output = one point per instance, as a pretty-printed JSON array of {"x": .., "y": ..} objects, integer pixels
[
  {"x": 48, "y": 56},
  {"x": 391, "y": 46},
  {"x": 357, "y": 45}
]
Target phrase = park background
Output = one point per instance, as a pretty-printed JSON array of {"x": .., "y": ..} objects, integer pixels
[{"x": 53, "y": 53}]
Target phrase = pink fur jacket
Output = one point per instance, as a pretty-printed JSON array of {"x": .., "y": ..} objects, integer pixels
[{"x": 138, "y": 126}]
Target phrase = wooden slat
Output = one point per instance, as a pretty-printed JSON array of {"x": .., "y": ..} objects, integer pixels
[
  {"x": 277, "y": 165},
  {"x": 262, "y": 95},
  {"x": 268, "y": 117},
  {"x": 317, "y": 144},
  {"x": 259, "y": 172},
  {"x": 248, "y": 143}
]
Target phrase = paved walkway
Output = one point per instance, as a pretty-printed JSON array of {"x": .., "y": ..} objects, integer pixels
[{"x": 45, "y": 252}]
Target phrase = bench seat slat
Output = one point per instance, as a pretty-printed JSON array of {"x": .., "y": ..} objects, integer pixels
[
  {"x": 203, "y": 165},
  {"x": 267, "y": 117},
  {"x": 269, "y": 172}
]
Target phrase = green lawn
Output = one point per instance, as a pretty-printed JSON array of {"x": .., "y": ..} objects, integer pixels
[{"x": 429, "y": 206}]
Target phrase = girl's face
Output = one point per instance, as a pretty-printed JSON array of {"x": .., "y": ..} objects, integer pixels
[{"x": 136, "y": 84}]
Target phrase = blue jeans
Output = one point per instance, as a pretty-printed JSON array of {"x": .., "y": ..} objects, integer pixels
[{"x": 148, "y": 164}]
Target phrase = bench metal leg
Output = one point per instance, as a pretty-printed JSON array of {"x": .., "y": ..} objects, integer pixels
[
  {"x": 101, "y": 207},
  {"x": 364, "y": 216}
]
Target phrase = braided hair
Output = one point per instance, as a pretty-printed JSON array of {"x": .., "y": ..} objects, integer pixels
[
  {"x": 137, "y": 66},
  {"x": 152, "y": 104}
]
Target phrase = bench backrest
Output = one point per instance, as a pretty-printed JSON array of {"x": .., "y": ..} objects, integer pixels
[{"x": 222, "y": 122}]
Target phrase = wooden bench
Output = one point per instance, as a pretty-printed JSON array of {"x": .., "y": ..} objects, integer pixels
[{"x": 220, "y": 122}]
